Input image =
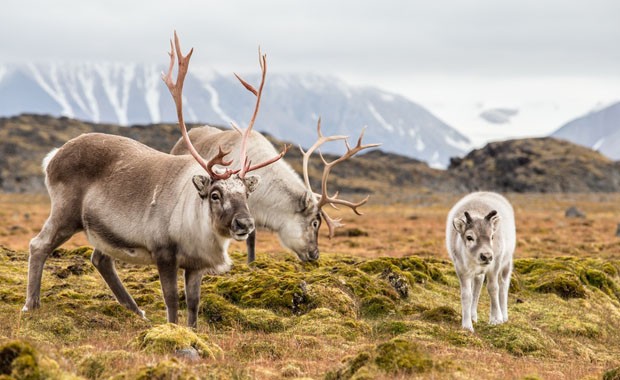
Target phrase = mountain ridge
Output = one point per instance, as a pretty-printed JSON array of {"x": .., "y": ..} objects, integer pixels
[{"x": 127, "y": 93}]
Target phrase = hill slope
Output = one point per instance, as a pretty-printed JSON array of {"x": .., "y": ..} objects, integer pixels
[
  {"x": 537, "y": 165},
  {"x": 599, "y": 130},
  {"x": 527, "y": 165},
  {"x": 26, "y": 139}
]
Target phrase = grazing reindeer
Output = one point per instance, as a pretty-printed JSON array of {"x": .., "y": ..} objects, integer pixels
[
  {"x": 481, "y": 239},
  {"x": 287, "y": 205},
  {"x": 145, "y": 207}
]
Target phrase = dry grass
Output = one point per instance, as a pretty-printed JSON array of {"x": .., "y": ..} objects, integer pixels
[{"x": 80, "y": 330}]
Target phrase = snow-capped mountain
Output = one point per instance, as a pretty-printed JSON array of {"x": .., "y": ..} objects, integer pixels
[
  {"x": 599, "y": 130},
  {"x": 134, "y": 94}
]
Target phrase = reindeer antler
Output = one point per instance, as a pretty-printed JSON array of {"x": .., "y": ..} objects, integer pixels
[
  {"x": 246, "y": 167},
  {"x": 176, "y": 90},
  {"x": 324, "y": 197}
]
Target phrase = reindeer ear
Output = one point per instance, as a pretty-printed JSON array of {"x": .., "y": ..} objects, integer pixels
[
  {"x": 201, "y": 183},
  {"x": 459, "y": 225},
  {"x": 251, "y": 182},
  {"x": 494, "y": 218},
  {"x": 306, "y": 201}
]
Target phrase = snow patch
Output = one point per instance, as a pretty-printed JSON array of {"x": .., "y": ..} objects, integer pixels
[
  {"x": 419, "y": 144},
  {"x": 380, "y": 118},
  {"x": 435, "y": 163},
  {"x": 214, "y": 100},
  {"x": 461, "y": 145},
  {"x": 152, "y": 82},
  {"x": 598, "y": 144},
  {"x": 53, "y": 88},
  {"x": 117, "y": 91}
]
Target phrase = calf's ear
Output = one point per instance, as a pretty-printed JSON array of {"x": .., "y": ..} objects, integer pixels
[
  {"x": 201, "y": 183},
  {"x": 494, "y": 218},
  {"x": 251, "y": 182},
  {"x": 459, "y": 225}
]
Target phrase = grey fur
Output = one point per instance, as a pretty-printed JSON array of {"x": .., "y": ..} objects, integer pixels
[
  {"x": 141, "y": 206},
  {"x": 283, "y": 206},
  {"x": 481, "y": 239}
]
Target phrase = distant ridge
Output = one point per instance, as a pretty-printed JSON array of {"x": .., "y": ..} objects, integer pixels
[
  {"x": 598, "y": 130},
  {"x": 526, "y": 165}
]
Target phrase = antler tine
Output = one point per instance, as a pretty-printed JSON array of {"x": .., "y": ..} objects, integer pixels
[
  {"x": 325, "y": 198},
  {"x": 332, "y": 224},
  {"x": 306, "y": 155},
  {"x": 176, "y": 90},
  {"x": 246, "y": 164}
]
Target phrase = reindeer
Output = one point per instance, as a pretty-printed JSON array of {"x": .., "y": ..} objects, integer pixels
[
  {"x": 142, "y": 206},
  {"x": 287, "y": 205},
  {"x": 481, "y": 239}
]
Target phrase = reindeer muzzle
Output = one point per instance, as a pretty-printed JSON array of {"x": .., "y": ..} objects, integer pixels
[{"x": 241, "y": 228}]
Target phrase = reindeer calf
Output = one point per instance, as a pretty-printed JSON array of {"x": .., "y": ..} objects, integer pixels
[{"x": 481, "y": 239}]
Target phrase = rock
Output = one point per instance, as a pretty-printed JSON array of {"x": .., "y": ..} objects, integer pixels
[
  {"x": 189, "y": 353},
  {"x": 618, "y": 230},
  {"x": 574, "y": 212}
]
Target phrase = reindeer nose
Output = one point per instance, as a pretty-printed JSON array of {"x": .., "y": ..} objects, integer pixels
[
  {"x": 314, "y": 255},
  {"x": 486, "y": 257},
  {"x": 243, "y": 225}
]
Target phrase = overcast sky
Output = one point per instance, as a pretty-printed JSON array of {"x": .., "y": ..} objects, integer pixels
[{"x": 552, "y": 60}]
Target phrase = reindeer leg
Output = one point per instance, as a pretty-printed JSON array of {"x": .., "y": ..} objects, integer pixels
[
  {"x": 251, "y": 245},
  {"x": 167, "y": 268},
  {"x": 51, "y": 236},
  {"x": 105, "y": 266},
  {"x": 192, "y": 295},
  {"x": 476, "y": 287}
]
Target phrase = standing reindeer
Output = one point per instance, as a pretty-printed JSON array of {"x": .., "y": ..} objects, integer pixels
[
  {"x": 145, "y": 207},
  {"x": 481, "y": 239},
  {"x": 287, "y": 205}
]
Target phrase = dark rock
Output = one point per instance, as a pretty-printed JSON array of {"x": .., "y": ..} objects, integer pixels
[
  {"x": 618, "y": 230},
  {"x": 574, "y": 212}
]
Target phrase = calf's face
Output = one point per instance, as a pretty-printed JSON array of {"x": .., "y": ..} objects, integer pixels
[
  {"x": 477, "y": 235},
  {"x": 228, "y": 203}
]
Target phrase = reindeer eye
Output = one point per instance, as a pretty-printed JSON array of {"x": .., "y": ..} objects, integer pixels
[
  {"x": 470, "y": 238},
  {"x": 215, "y": 196},
  {"x": 315, "y": 224}
]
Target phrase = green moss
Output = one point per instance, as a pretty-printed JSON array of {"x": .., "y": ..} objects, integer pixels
[
  {"x": 262, "y": 320},
  {"x": 332, "y": 298},
  {"x": 399, "y": 355},
  {"x": 19, "y": 360},
  {"x": 612, "y": 374},
  {"x": 165, "y": 370},
  {"x": 565, "y": 285},
  {"x": 169, "y": 338},
  {"x": 441, "y": 314},
  {"x": 518, "y": 340},
  {"x": 376, "y": 306},
  {"x": 324, "y": 322},
  {"x": 219, "y": 312},
  {"x": 102, "y": 365},
  {"x": 350, "y": 367}
]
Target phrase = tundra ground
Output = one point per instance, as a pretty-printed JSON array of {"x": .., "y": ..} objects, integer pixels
[{"x": 383, "y": 302}]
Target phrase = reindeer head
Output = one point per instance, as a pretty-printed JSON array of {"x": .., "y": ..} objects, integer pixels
[
  {"x": 311, "y": 210},
  {"x": 301, "y": 234},
  {"x": 226, "y": 192},
  {"x": 477, "y": 234}
]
